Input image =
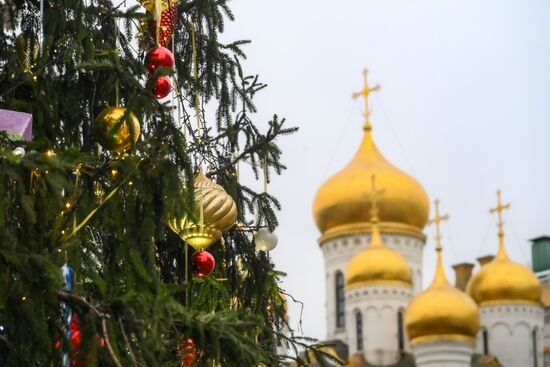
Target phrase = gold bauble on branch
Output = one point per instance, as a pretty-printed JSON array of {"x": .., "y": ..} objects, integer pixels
[
  {"x": 115, "y": 128},
  {"x": 219, "y": 213}
]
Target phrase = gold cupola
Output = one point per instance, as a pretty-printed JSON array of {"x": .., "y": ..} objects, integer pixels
[
  {"x": 341, "y": 205},
  {"x": 377, "y": 264},
  {"x": 502, "y": 280},
  {"x": 441, "y": 312}
]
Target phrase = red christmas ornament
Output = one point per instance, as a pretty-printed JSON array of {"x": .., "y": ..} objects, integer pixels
[
  {"x": 202, "y": 263},
  {"x": 162, "y": 87},
  {"x": 187, "y": 352},
  {"x": 75, "y": 333},
  {"x": 159, "y": 57},
  {"x": 168, "y": 19}
]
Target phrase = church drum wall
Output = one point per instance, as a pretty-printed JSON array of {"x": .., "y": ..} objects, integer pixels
[
  {"x": 337, "y": 253},
  {"x": 513, "y": 331},
  {"x": 379, "y": 306}
]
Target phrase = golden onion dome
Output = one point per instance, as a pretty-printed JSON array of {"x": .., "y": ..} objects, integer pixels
[
  {"x": 504, "y": 281},
  {"x": 343, "y": 199},
  {"x": 441, "y": 311},
  {"x": 377, "y": 264}
]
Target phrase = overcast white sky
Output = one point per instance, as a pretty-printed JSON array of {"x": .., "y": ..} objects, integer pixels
[{"x": 464, "y": 108}]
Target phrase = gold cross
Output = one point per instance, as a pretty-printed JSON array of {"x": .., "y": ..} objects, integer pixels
[
  {"x": 499, "y": 209},
  {"x": 365, "y": 93},
  {"x": 374, "y": 195},
  {"x": 437, "y": 221}
]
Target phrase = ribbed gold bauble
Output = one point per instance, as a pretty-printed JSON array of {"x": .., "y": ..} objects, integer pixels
[
  {"x": 114, "y": 129},
  {"x": 219, "y": 213}
]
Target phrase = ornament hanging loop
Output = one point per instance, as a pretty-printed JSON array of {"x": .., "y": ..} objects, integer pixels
[
  {"x": 158, "y": 12},
  {"x": 265, "y": 173},
  {"x": 117, "y": 63}
]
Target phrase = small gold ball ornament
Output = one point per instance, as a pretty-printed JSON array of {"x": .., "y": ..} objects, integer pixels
[
  {"x": 214, "y": 206},
  {"x": 115, "y": 128}
]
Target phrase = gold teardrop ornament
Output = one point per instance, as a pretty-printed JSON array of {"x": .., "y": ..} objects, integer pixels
[{"x": 214, "y": 206}]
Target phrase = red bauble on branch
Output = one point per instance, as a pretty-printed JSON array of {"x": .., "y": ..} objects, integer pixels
[
  {"x": 187, "y": 351},
  {"x": 161, "y": 87},
  {"x": 202, "y": 263},
  {"x": 159, "y": 57},
  {"x": 168, "y": 19}
]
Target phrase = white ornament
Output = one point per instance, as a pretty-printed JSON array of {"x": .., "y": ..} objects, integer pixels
[
  {"x": 19, "y": 151},
  {"x": 265, "y": 240}
]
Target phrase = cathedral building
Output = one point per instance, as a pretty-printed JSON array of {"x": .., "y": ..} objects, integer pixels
[{"x": 371, "y": 216}]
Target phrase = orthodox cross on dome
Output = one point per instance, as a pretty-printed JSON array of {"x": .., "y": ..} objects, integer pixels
[
  {"x": 373, "y": 196},
  {"x": 499, "y": 209},
  {"x": 365, "y": 93},
  {"x": 437, "y": 221}
]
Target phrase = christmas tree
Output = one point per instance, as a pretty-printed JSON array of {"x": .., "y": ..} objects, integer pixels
[{"x": 105, "y": 215}]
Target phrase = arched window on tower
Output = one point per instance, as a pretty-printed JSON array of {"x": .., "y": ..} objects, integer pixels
[
  {"x": 340, "y": 301},
  {"x": 359, "y": 330},
  {"x": 535, "y": 360},
  {"x": 485, "y": 340},
  {"x": 400, "y": 332}
]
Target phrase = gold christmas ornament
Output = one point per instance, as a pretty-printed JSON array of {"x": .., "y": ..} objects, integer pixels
[
  {"x": 115, "y": 129},
  {"x": 265, "y": 240},
  {"x": 27, "y": 47},
  {"x": 215, "y": 213},
  {"x": 152, "y": 6}
]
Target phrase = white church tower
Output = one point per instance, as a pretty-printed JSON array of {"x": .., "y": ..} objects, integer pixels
[
  {"x": 378, "y": 289},
  {"x": 512, "y": 315},
  {"x": 342, "y": 213},
  {"x": 442, "y": 322}
]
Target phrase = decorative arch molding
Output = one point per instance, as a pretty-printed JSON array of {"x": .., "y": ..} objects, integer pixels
[
  {"x": 521, "y": 325},
  {"x": 371, "y": 311},
  {"x": 386, "y": 308},
  {"x": 494, "y": 329}
]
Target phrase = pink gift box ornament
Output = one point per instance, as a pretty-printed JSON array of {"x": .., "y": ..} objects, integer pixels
[{"x": 18, "y": 125}]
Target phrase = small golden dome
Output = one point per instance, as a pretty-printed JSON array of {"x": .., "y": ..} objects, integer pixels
[
  {"x": 357, "y": 360},
  {"x": 504, "y": 281},
  {"x": 377, "y": 264},
  {"x": 441, "y": 311},
  {"x": 343, "y": 199}
]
